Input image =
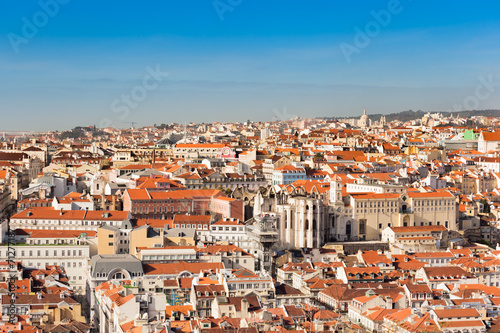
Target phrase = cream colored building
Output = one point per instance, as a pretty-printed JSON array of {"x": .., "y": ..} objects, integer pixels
[
  {"x": 416, "y": 238},
  {"x": 311, "y": 220},
  {"x": 377, "y": 211},
  {"x": 59, "y": 248}
]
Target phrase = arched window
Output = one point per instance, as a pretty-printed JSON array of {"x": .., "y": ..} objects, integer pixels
[{"x": 406, "y": 221}]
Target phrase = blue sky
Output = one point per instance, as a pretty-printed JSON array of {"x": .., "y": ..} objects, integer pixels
[{"x": 261, "y": 56}]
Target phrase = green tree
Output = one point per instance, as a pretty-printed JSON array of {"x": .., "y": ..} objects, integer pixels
[
  {"x": 318, "y": 156},
  {"x": 75, "y": 133},
  {"x": 487, "y": 208},
  {"x": 485, "y": 242}
]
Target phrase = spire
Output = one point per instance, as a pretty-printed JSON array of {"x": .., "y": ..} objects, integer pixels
[{"x": 364, "y": 112}]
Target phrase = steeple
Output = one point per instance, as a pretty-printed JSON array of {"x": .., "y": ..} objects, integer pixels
[{"x": 335, "y": 189}]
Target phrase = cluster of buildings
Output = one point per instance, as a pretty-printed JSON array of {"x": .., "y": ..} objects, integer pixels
[{"x": 308, "y": 225}]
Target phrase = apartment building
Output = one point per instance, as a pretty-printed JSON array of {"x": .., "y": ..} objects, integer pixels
[
  {"x": 51, "y": 219},
  {"x": 199, "y": 150},
  {"x": 70, "y": 249}
]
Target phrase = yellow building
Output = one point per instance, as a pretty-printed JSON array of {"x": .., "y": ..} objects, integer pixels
[
  {"x": 114, "y": 240},
  {"x": 180, "y": 237},
  {"x": 145, "y": 236},
  {"x": 106, "y": 237},
  {"x": 48, "y": 308}
]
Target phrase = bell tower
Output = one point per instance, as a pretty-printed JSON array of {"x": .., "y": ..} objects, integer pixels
[{"x": 336, "y": 189}]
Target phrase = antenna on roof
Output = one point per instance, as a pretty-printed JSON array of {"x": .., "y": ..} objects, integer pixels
[{"x": 130, "y": 122}]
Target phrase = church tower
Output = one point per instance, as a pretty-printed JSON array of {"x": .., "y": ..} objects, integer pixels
[
  {"x": 336, "y": 189},
  {"x": 382, "y": 121}
]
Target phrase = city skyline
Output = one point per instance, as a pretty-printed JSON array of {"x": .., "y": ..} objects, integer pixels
[{"x": 242, "y": 166}]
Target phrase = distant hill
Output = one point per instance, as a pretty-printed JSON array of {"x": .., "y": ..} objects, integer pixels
[{"x": 412, "y": 115}]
